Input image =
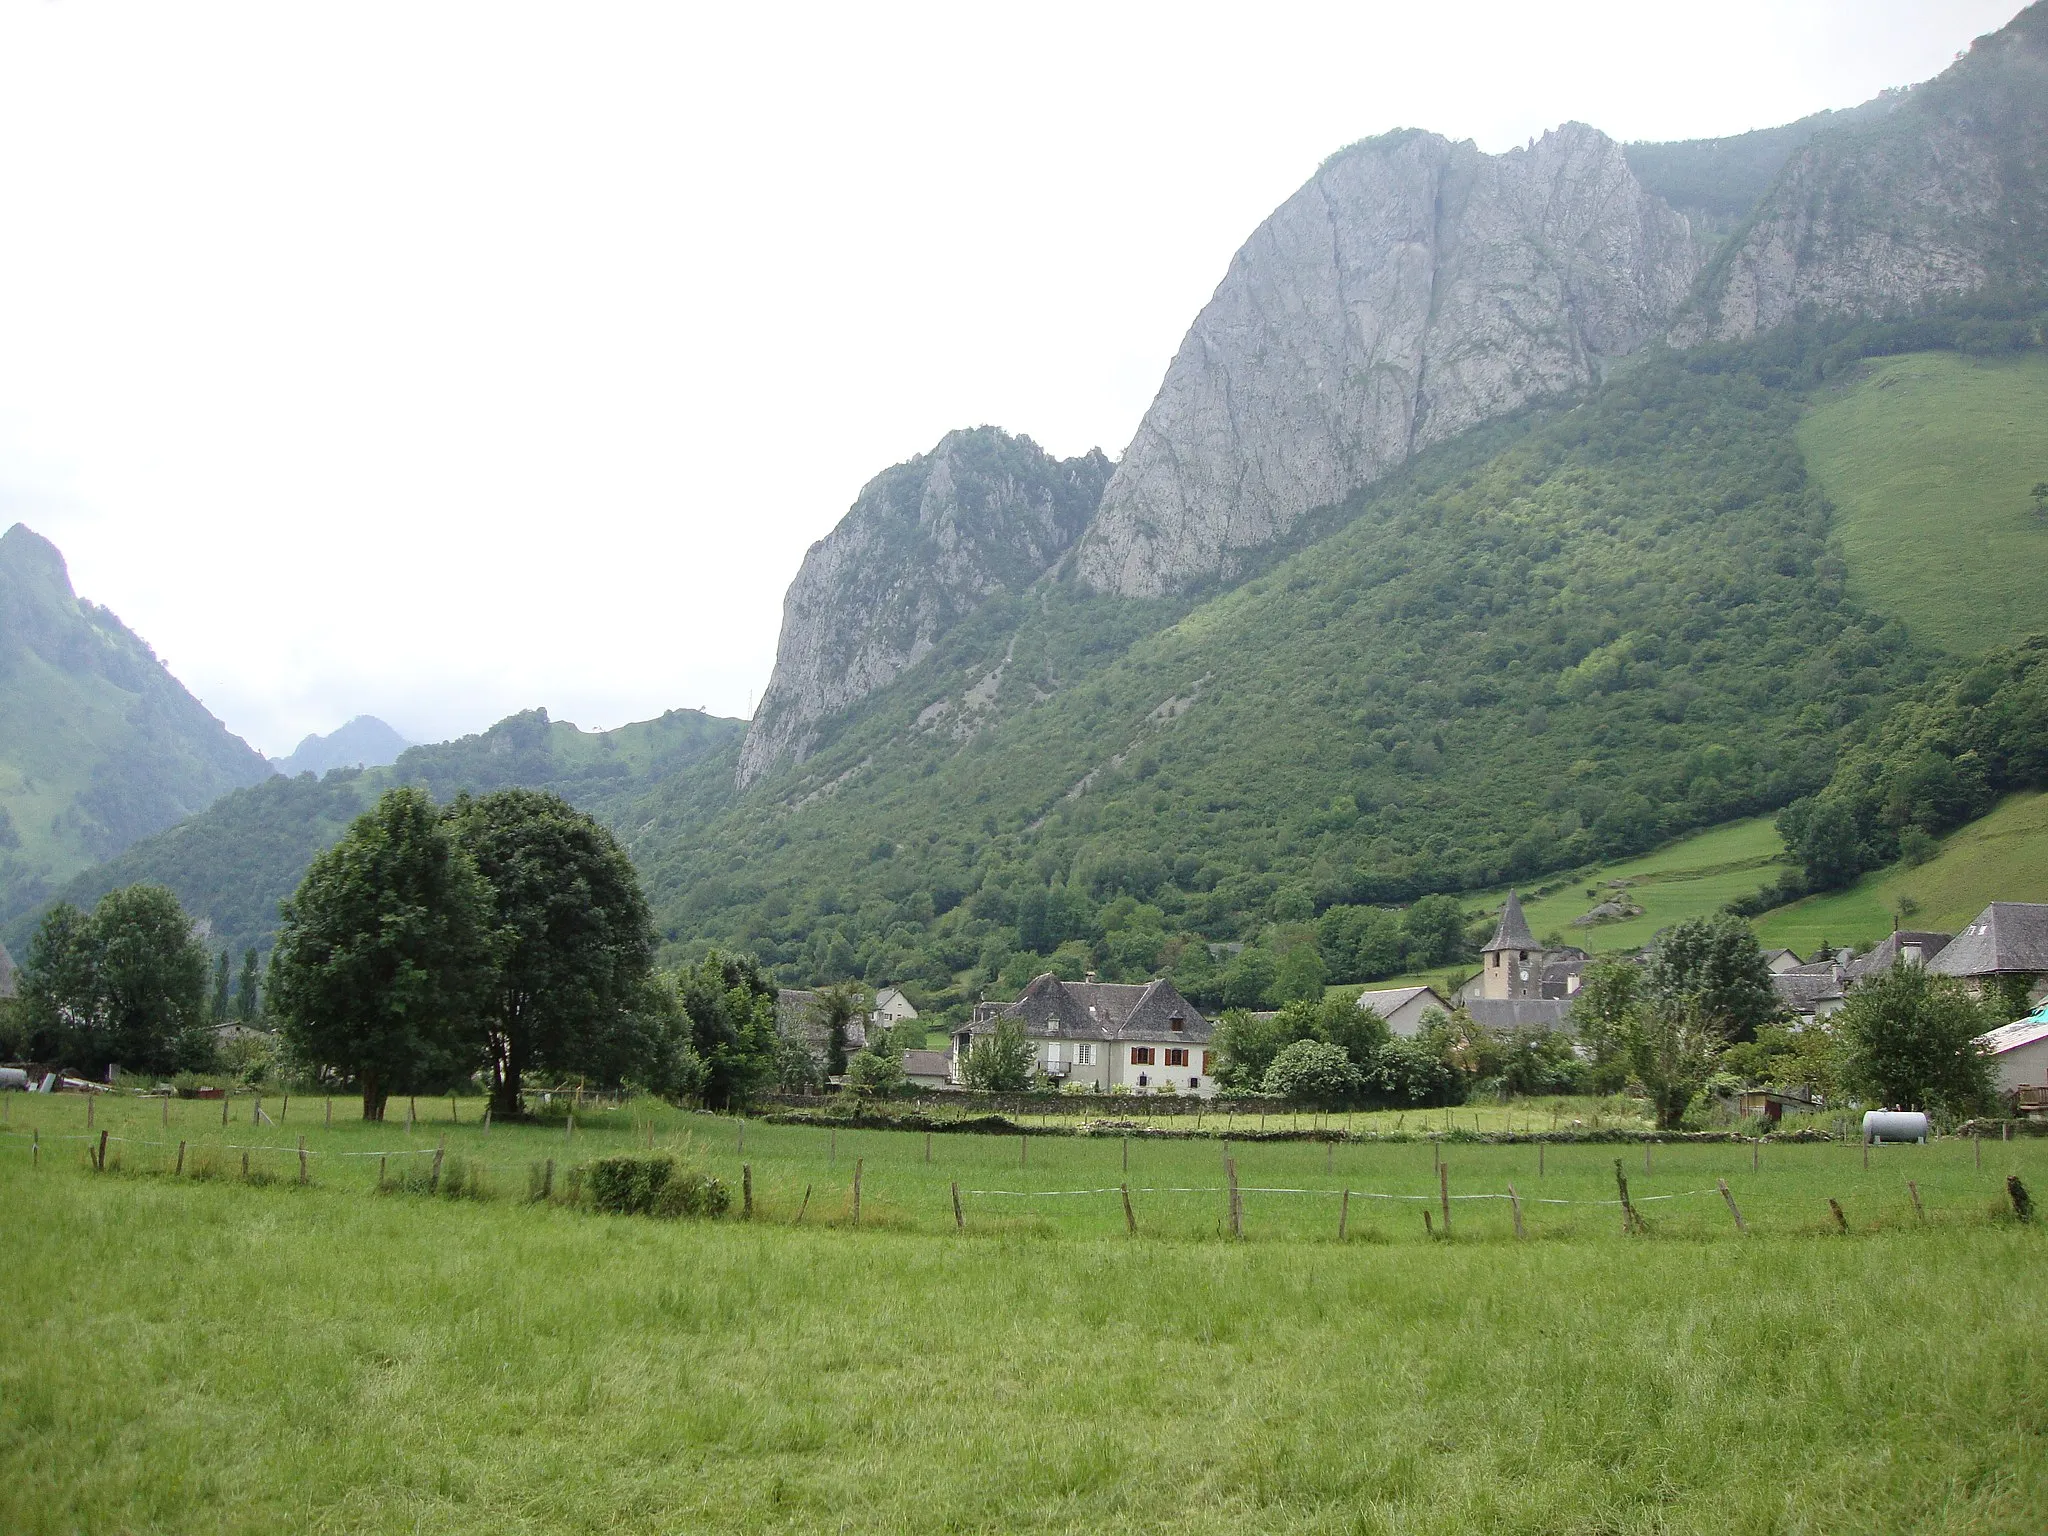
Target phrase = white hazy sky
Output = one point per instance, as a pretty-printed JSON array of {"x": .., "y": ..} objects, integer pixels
[{"x": 435, "y": 361}]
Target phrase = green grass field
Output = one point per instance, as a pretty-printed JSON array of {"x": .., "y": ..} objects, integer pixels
[
  {"x": 1999, "y": 857},
  {"x": 205, "y": 1354},
  {"x": 1929, "y": 459}
]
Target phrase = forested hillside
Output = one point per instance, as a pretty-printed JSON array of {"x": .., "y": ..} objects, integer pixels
[
  {"x": 99, "y": 745},
  {"x": 232, "y": 864}
]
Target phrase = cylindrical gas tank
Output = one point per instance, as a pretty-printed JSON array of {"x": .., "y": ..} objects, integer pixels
[{"x": 1894, "y": 1125}]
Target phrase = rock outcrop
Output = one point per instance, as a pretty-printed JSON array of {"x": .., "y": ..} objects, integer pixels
[
  {"x": 923, "y": 546},
  {"x": 1943, "y": 194},
  {"x": 1413, "y": 288}
]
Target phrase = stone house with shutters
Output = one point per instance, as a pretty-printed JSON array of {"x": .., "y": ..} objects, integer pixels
[{"x": 1143, "y": 1038}]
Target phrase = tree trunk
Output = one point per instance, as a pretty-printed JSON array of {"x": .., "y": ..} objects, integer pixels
[
  {"x": 373, "y": 1095},
  {"x": 508, "y": 1070}
]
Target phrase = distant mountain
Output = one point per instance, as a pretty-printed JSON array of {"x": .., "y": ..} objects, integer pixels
[
  {"x": 365, "y": 742},
  {"x": 99, "y": 744},
  {"x": 234, "y": 862}
]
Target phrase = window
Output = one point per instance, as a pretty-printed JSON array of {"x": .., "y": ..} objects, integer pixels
[
  {"x": 1084, "y": 1053},
  {"x": 1141, "y": 1055},
  {"x": 1176, "y": 1056},
  {"x": 1177, "y": 1025},
  {"x": 1052, "y": 1052}
]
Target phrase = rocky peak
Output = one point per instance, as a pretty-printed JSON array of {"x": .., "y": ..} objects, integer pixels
[
  {"x": 922, "y": 546},
  {"x": 1940, "y": 195},
  {"x": 1412, "y": 288}
]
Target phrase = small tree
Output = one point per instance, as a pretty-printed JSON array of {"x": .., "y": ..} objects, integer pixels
[
  {"x": 222, "y": 975},
  {"x": 1299, "y": 976},
  {"x": 383, "y": 956},
  {"x": 1910, "y": 1039},
  {"x": 1713, "y": 967},
  {"x": 876, "y": 1072},
  {"x": 729, "y": 1006},
  {"x": 834, "y": 1011},
  {"x": 1671, "y": 1048},
  {"x": 1000, "y": 1061},
  {"x": 1314, "y": 1074},
  {"x": 248, "y": 1001}
]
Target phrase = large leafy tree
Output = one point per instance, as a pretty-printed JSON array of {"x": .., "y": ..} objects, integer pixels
[
  {"x": 574, "y": 945},
  {"x": 834, "y": 1009},
  {"x": 126, "y": 985},
  {"x": 1713, "y": 967},
  {"x": 385, "y": 951},
  {"x": 1910, "y": 1039},
  {"x": 728, "y": 1007}
]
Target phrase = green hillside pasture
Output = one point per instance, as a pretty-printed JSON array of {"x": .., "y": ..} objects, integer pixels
[
  {"x": 1999, "y": 857},
  {"x": 209, "y": 1354},
  {"x": 1929, "y": 459},
  {"x": 1693, "y": 877}
]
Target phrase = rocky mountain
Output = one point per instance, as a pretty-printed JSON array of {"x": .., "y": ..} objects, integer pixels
[
  {"x": 365, "y": 742},
  {"x": 923, "y": 545},
  {"x": 1944, "y": 194},
  {"x": 1413, "y": 288},
  {"x": 101, "y": 745}
]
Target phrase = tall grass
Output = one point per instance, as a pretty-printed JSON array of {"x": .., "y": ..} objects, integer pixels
[{"x": 205, "y": 1355}]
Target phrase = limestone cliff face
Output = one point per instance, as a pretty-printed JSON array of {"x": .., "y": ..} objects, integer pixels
[
  {"x": 1943, "y": 194},
  {"x": 1412, "y": 288},
  {"x": 923, "y": 545}
]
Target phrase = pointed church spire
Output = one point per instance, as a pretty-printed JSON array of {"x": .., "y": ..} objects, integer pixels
[{"x": 1513, "y": 932}]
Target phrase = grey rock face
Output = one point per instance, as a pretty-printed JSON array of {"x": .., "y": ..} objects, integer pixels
[
  {"x": 922, "y": 547},
  {"x": 1412, "y": 288},
  {"x": 1940, "y": 196}
]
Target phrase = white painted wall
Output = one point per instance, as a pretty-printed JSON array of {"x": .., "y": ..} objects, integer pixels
[{"x": 2025, "y": 1066}]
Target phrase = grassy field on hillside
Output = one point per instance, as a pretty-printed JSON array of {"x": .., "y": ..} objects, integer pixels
[
  {"x": 1929, "y": 459},
  {"x": 1999, "y": 857},
  {"x": 209, "y": 1354}
]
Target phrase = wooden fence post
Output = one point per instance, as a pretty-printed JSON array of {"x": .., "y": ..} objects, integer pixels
[
  {"x": 434, "y": 1177},
  {"x": 411, "y": 1109},
  {"x": 1428, "y": 1226},
  {"x": 1344, "y": 1215},
  {"x": 1130, "y": 1217},
  {"x": 1756, "y": 1144},
  {"x": 1539, "y": 1158},
  {"x": 284, "y": 1110},
  {"x": 1023, "y": 1149},
  {"x": 1236, "y": 1200},
  {"x": 1740, "y": 1225},
  {"x": 1515, "y": 1200},
  {"x": 743, "y": 1136},
  {"x": 383, "y": 1169},
  {"x": 547, "y": 1181},
  {"x": 1913, "y": 1189},
  {"x": 454, "y": 1113},
  {"x": 747, "y": 1191},
  {"x": 959, "y": 1218},
  {"x": 1836, "y": 1206},
  {"x": 330, "y": 1114},
  {"x": 89, "y": 1099},
  {"x": 1127, "y": 1154},
  {"x": 167, "y": 1112},
  {"x": 302, "y": 1159},
  {"x": 833, "y": 1155},
  {"x": 103, "y": 1152},
  {"x": 1629, "y": 1222},
  {"x": 224, "y": 1110},
  {"x": 35, "y": 1147},
  {"x": 857, "y": 1162},
  {"x": 802, "y": 1208},
  {"x": 179, "y": 1171},
  {"x": 1443, "y": 1189},
  {"x": 245, "y": 1166}
]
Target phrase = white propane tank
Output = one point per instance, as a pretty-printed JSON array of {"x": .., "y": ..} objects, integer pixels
[
  {"x": 1894, "y": 1125},
  {"x": 14, "y": 1077}
]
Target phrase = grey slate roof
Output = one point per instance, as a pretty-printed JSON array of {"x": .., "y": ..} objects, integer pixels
[
  {"x": 1805, "y": 989},
  {"x": 927, "y": 1063},
  {"x": 1520, "y": 1012},
  {"x": 1886, "y": 955},
  {"x": 1513, "y": 932},
  {"x": 2006, "y": 936},
  {"x": 796, "y": 1019},
  {"x": 1101, "y": 1010}
]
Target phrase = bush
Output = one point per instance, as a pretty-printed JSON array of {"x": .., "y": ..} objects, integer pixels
[
  {"x": 1313, "y": 1074},
  {"x": 652, "y": 1186}
]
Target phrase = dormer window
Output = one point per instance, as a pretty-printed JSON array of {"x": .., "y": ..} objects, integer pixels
[{"x": 1177, "y": 1023}]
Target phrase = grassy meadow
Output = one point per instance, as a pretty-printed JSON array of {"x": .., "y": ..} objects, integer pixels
[
  {"x": 209, "y": 1354},
  {"x": 1929, "y": 458}
]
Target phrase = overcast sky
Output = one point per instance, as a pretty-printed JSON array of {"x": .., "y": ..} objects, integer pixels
[{"x": 436, "y": 361}]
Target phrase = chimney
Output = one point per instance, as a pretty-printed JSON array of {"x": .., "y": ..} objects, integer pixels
[{"x": 1089, "y": 977}]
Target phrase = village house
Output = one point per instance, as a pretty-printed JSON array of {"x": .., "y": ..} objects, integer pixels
[
  {"x": 1404, "y": 1008},
  {"x": 1143, "y": 1038},
  {"x": 891, "y": 1008},
  {"x": 2019, "y": 1056},
  {"x": 2008, "y": 939},
  {"x": 929, "y": 1069}
]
